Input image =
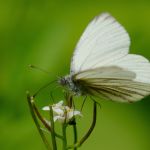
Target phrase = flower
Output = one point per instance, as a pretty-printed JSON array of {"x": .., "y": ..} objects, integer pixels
[{"x": 62, "y": 113}]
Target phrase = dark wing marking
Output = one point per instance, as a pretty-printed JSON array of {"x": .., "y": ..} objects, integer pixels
[{"x": 112, "y": 83}]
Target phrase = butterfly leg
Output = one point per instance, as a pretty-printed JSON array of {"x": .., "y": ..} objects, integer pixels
[
  {"x": 83, "y": 103},
  {"x": 95, "y": 101}
]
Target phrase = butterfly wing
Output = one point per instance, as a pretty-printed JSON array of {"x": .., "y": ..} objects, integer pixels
[
  {"x": 101, "y": 62},
  {"x": 103, "y": 41},
  {"x": 112, "y": 83}
]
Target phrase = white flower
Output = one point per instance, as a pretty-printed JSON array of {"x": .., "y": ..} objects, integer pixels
[{"x": 62, "y": 113}]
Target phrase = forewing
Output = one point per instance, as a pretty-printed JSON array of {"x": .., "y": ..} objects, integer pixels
[
  {"x": 116, "y": 85},
  {"x": 103, "y": 41}
]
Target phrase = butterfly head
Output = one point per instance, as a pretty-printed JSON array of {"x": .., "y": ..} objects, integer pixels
[{"x": 63, "y": 81}]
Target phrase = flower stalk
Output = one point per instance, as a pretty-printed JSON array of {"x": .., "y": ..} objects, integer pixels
[
  {"x": 53, "y": 129},
  {"x": 75, "y": 133},
  {"x": 64, "y": 126},
  {"x": 88, "y": 133},
  {"x": 64, "y": 114},
  {"x": 69, "y": 99},
  {"x": 30, "y": 103}
]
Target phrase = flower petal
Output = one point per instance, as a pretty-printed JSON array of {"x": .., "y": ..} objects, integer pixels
[
  {"x": 46, "y": 108},
  {"x": 58, "y": 111},
  {"x": 59, "y": 118},
  {"x": 76, "y": 112},
  {"x": 73, "y": 113},
  {"x": 59, "y": 104}
]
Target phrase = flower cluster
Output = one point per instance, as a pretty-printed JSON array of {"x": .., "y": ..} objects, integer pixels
[{"x": 62, "y": 113}]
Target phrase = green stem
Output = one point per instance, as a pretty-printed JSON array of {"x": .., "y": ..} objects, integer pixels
[
  {"x": 52, "y": 129},
  {"x": 30, "y": 102},
  {"x": 75, "y": 133},
  {"x": 69, "y": 99},
  {"x": 64, "y": 125},
  {"x": 84, "y": 138}
]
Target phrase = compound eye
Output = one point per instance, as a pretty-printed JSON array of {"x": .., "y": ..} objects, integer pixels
[{"x": 63, "y": 81}]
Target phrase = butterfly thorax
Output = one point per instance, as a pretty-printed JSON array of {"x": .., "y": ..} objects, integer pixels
[{"x": 68, "y": 83}]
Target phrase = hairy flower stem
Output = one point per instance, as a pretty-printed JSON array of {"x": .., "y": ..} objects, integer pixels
[
  {"x": 53, "y": 129},
  {"x": 30, "y": 103}
]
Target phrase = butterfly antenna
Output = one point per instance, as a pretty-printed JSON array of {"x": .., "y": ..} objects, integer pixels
[
  {"x": 43, "y": 87},
  {"x": 51, "y": 95},
  {"x": 40, "y": 69}
]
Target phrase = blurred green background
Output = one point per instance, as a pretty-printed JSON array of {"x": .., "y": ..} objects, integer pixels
[{"x": 44, "y": 33}]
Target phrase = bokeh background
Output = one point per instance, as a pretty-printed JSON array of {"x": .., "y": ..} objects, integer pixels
[{"x": 44, "y": 33}]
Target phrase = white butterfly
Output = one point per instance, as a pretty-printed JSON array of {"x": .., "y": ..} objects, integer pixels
[{"x": 101, "y": 65}]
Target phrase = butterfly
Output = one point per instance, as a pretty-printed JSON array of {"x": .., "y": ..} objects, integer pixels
[{"x": 102, "y": 67}]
